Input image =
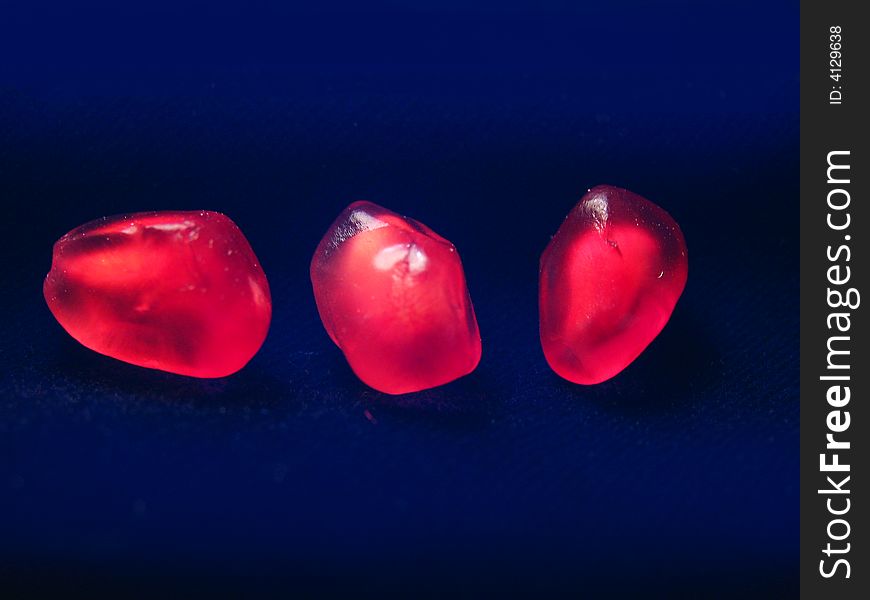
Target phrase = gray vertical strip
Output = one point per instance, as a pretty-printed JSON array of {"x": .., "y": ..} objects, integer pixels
[{"x": 835, "y": 367}]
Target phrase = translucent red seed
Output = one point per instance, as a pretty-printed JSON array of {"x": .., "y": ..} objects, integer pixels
[
  {"x": 610, "y": 279},
  {"x": 392, "y": 295},
  {"x": 177, "y": 291}
]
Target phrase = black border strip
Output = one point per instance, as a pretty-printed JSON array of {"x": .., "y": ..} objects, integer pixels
[{"x": 834, "y": 339}]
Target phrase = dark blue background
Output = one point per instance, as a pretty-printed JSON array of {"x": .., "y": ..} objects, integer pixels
[{"x": 487, "y": 123}]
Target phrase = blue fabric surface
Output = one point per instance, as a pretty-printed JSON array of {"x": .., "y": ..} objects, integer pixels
[{"x": 487, "y": 124}]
